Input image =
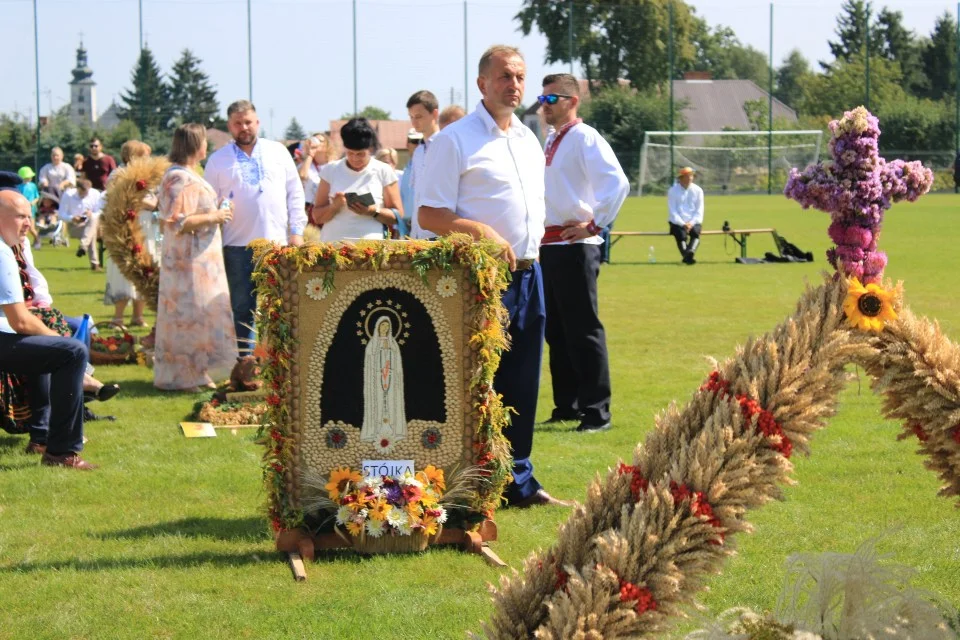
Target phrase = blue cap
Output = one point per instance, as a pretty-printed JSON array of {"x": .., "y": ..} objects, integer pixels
[{"x": 9, "y": 181}]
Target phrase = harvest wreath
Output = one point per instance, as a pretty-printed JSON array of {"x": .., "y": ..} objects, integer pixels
[
  {"x": 275, "y": 276},
  {"x": 639, "y": 548},
  {"x": 122, "y": 234}
]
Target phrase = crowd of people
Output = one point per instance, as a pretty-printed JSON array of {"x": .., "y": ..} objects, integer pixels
[{"x": 483, "y": 173}]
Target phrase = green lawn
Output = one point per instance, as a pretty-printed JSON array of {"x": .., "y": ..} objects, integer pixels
[{"x": 167, "y": 539}]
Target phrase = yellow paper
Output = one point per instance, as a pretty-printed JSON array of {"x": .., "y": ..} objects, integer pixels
[{"x": 198, "y": 430}]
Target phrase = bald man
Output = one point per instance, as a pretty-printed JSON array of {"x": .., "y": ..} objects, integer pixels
[{"x": 53, "y": 365}]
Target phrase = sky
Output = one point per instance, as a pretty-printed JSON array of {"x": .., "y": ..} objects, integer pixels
[{"x": 302, "y": 50}]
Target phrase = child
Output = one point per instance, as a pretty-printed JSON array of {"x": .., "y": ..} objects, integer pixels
[{"x": 29, "y": 191}]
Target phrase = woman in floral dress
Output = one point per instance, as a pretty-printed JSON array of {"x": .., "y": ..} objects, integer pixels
[{"x": 196, "y": 342}]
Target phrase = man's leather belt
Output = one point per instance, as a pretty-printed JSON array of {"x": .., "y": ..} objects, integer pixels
[{"x": 523, "y": 265}]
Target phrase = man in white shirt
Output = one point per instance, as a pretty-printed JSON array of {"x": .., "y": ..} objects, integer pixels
[
  {"x": 56, "y": 175},
  {"x": 80, "y": 209},
  {"x": 261, "y": 180},
  {"x": 685, "y": 204},
  {"x": 486, "y": 180},
  {"x": 53, "y": 366},
  {"x": 585, "y": 188},
  {"x": 424, "y": 112}
]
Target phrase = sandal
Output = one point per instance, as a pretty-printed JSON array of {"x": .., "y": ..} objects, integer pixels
[
  {"x": 138, "y": 322},
  {"x": 118, "y": 323}
]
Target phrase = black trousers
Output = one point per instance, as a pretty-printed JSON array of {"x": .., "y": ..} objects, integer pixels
[
  {"x": 579, "y": 366},
  {"x": 687, "y": 241},
  {"x": 54, "y": 367}
]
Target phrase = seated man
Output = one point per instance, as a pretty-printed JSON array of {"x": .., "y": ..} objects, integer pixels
[
  {"x": 80, "y": 209},
  {"x": 53, "y": 365},
  {"x": 685, "y": 204}
]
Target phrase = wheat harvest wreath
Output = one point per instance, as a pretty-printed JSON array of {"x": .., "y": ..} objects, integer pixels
[{"x": 648, "y": 533}]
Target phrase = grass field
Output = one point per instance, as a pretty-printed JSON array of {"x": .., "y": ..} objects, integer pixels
[{"x": 168, "y": 540}]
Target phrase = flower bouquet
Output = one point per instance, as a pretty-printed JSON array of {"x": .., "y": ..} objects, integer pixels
[
  {"x": 118, "y": 348},
  {"x": 387, "y": 514}
]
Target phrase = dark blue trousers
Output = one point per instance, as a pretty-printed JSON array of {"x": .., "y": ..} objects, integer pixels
[
  {"x": 238, "y": 262},
  {"x": 518, "y": 378},
  {"x": 54, "y": 369}
]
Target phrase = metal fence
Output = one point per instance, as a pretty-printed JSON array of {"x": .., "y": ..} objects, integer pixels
[{"x": 318, "y": 59}]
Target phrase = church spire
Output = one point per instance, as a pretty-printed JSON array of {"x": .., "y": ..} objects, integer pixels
[{"x": 82, "y": 70}]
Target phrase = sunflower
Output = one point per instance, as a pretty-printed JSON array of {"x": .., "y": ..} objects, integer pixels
[
  {"x": 355, "y": 528},
  {"x": 339, "y": 478},
  {"x": 380, "y": 509},
  {"x": 431, "y": 476},
  {"x": 868, "y": 307}
]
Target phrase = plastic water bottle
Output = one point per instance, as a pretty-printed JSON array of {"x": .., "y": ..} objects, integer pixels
[{"x": 651, "y": 255}]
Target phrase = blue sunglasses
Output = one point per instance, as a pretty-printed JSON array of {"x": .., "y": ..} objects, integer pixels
[{"x": 551, "y": 98}]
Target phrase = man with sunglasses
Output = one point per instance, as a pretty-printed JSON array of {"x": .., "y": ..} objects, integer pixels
[
  {"x": 98, "y": 166},
  {"x": 486, "y": 179},
  {"x": 585, "y": 188}
]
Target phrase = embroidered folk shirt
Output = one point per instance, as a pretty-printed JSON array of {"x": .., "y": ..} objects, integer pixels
[
  {"x": 584, "y": 181},
  {"x": 265, "y": 189}
]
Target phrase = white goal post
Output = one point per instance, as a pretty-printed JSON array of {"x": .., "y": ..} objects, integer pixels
[{"x": 726, "y": 161}]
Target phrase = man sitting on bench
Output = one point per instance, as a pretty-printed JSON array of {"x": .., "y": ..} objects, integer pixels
[{"x": 685, "y": 203}]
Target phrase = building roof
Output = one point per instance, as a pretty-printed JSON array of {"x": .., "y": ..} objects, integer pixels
[
  {"x": 217, "y": 138},
  {"x": 714, "y": 105},
  {"x": 110, "y": 118},
  {"x": 391, "y": 133}
]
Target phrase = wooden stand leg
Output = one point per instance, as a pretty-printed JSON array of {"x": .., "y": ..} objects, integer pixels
[
  {"x": 296, "y": 565},
  {"x": 473, "y": 543}
]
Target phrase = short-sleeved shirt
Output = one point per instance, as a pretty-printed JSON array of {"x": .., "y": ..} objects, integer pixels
[
  {"x": 491, "y": 176},
  {"x": 11, "y": 289},
  {"x": 371, "y": 179},
  {"x": 55, "y": 175},
  {"x": 97, "y": 171},
  {"x": 30, "y": 192}
]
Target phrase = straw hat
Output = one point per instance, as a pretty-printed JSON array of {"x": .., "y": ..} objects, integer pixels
[{"x": 686, "y": 171}]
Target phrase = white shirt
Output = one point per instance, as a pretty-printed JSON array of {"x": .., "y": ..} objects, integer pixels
[
  {"x": 55, "y": 175},
  {"x": 11, "y": 289},
  {"x": 265, "y": 189},
  {"x": 584, "y": 181},
  {"x": 685, "y": 205},
  {"x": 484, "y": 174},
  {"x": 72, "y": 205},
  {"x": 371, "y": 179},
  {"x": 41, "y": 289},
  {"x": 418, "y": 181}
]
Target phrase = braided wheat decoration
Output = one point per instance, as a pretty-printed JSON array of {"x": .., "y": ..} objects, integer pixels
[{"x": 647, "y": 535}]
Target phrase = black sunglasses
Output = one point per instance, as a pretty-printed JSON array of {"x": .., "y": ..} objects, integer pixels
[{"x": 551, "y": 98}]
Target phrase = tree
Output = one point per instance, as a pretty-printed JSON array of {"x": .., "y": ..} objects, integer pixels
[
  {"x": 842, "y": 88},
  {"x": 790, "y": 77},
  {"x": 147, "y": 102},
  {"x": 720, "y": 52},
  {"x": 622, "y": 115},
  {"x": 899, "y": 44},
  {"x": 192, "y": 97},
  {"x": 852, "y": 33},
  {"x": 370, "y": 113},
  {"x": 294, "y": 131},
  {"x": 939, "y": 58},
  {"x": 628, "y": 39},
  {"x": 917, "y": 124}
]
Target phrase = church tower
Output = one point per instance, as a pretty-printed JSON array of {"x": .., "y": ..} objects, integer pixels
[{"x": 83, "y": 91}]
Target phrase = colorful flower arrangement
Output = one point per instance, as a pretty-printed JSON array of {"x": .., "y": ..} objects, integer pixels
[
  {"x": 119, "y": 348},
  {"x": 376, "y": 506},
  {"x": 277, "y": 266},
  {"x": 855, "y": 189}
]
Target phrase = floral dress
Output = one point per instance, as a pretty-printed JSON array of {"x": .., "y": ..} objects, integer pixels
[{"x": 196, "y": 343}]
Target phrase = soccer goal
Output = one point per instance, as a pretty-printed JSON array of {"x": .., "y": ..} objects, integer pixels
[{"x": 725, "y": 161}]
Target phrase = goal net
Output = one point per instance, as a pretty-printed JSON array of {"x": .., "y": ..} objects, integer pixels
[{"x": 726, "y": 161}]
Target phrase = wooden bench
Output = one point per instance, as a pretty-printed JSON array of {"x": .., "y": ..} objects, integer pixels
[{"x": 738, "y": 235}]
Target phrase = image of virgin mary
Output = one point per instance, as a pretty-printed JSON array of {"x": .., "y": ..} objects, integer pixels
[{"x": 384, "y": 416}]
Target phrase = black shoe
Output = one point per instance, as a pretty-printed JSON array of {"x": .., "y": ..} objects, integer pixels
[
  {"x": 103, "y": 394},
  {"x": 90, "y": 416},
  {"x": 688, "y": 259},
  {"x": 81, "y": 252},
  {"x": 562, "y": 416},
  {"x": 594, "y": 428}
]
